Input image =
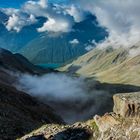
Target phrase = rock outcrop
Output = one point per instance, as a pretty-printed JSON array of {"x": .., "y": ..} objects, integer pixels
[
  {"x": 127, "y": 105},
  {"x": 105, "y": 122}
]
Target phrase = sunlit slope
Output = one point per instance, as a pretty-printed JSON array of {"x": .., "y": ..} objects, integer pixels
[
  {"x": 127, "y": 72},
  {"x": 108, "y": 65}
]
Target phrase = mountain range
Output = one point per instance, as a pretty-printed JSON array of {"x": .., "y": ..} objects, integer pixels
[{"x": 45, "y": 48}]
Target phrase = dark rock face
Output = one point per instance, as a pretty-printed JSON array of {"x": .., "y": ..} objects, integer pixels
[
  {"x": 16, "y": 62},
  {"x": 20, "y": 113},
  {"x": 72, "y": 134},
  {"x": 69, "y": 134}
]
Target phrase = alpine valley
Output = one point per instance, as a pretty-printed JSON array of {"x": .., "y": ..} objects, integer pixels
[{"x": 70, "y": 70}]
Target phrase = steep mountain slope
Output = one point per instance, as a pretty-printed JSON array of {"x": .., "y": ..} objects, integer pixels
[
  {"x": 127, "y": 72},
  {"x": 19, "y": 112},
  {"x": 17, "y": 62},
  {"x": 108, "y": 65}
]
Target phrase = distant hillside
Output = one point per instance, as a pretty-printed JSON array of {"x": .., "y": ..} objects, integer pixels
[{"x": 108, "y": 65}]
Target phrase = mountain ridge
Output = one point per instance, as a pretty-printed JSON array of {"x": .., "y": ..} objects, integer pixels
[{"x": 107, "y": 65}]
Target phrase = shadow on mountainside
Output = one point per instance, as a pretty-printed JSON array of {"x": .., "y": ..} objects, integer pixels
[
  {"x": 73, "y": 134},
  {"x": 68, "y": 134},
  {"x": 110, "y": 90},
  {"x": 21, "y": 113}
]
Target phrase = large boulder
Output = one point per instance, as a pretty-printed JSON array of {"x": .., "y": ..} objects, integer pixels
[{"x": 127, "y": 105}]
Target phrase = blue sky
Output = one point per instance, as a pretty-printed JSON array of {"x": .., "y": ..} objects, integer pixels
[
  {"x": 11, "y": 3},
  {"x": 18, "y": 3}
]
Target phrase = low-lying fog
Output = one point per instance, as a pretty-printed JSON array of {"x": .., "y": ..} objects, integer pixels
[{"x": 68, "y": 96}]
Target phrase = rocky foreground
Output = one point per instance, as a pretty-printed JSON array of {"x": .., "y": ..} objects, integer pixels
[{"x": 122, "y": 124}]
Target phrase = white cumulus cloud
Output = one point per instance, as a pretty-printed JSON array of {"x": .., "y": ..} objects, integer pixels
[
  {"x": 69, "y": 96},
  {"x": 74, "y": 41},
  {"x": 121, "y": 18},
  {"x": 55, "y": 25},
  {"x": 61, "y": 17},
  {"x": 43, "y": 3},
  {"x": 17, "y": 22},
  {"x": 76, "y": 13},
  {"x": 13, "y": 23},
  {"x": 89, "y": 48}
]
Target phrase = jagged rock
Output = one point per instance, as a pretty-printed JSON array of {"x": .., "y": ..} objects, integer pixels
[
  {"x": 127, "y": 105},
  {"x": 105, "y": 122}
]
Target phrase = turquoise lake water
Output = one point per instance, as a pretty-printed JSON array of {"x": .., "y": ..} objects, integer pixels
[{"x": 52, "y": 66}]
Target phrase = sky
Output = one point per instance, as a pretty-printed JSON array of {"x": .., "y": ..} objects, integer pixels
[
  {"x": 11, "y": 3},
  {"x": 18, "y": 3}
]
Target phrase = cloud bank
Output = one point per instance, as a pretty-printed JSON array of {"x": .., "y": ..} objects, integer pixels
[
  {"x": 59, "y": 18},
  {"x": 69, "y": 96},
  {"x": 55, "y": 25},
  {"x": 121, "y": 19}
]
